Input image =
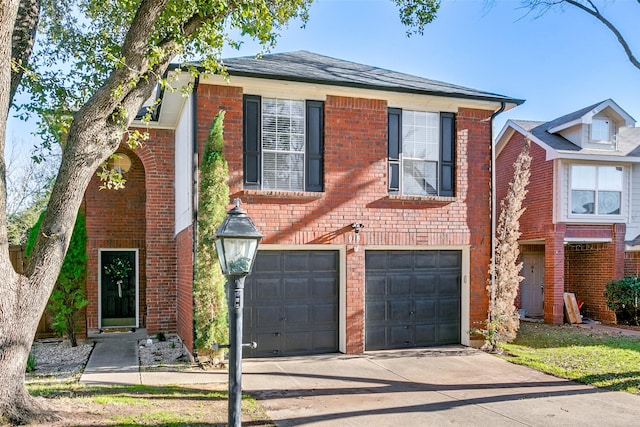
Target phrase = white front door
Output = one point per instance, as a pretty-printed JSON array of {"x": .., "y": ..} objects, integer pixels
[{"x": 532, "y": 287}]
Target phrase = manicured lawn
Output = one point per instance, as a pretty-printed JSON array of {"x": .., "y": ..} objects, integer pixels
[{"x": 603, "y": 360}]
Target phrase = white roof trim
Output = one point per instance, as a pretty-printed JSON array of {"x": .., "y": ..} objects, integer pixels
[
  {"x": 502, "y": 133},
  {"x": 628, "y": 120},
  {"x": 570, "y": 155},
  {"x": 551, "y": 152},
  {"x": 567, "y": 125},
  {"x": 587, "y": 239}
]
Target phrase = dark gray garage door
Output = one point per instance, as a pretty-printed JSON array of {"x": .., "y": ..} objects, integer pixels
[
  {"x": 412, "y": 298},
  {"x": 291, "y": 303}
]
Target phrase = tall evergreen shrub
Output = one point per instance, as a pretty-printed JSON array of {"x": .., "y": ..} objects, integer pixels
[
  {"x": 210, "y": 312},
  {"x": 68, "y": 295}
]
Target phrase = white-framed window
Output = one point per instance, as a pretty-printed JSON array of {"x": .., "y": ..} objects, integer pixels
[
  {"x": 421, "y": 149},
  {"x": 283, "y": 137},
  {"x": 601, "y": 130},
  {"x": 283, "y": 144},
  {"x": 596, "y": 190},
  {"x": 420, "y": 153}
]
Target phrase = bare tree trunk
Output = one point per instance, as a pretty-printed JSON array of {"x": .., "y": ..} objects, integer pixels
[
  {"x": 24, "y": 298},
  {"x": 19, "y": 319},
  {"x": 23, "y": 39},
  {"x": 94, "y": 134},
  {"x": 92, "y": 138}
]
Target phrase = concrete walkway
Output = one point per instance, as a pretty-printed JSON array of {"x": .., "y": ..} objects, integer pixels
[
  {"x": 114, "y": 360},
  {"x": 454, "y": 385}
]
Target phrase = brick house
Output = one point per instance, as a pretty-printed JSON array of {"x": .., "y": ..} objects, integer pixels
[
  {"x": 581, "y": 225},
  {"x": 371, "y": 187}
]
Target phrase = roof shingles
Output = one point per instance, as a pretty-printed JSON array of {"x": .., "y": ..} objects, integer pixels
[{"x": 310, "y": 67}]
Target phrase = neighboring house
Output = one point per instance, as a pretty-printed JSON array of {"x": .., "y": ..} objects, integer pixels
[
  {"x": 581, "y": 226},
  {"x": 371, "y": 187}
]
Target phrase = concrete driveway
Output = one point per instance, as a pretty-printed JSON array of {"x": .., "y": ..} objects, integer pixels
[{"x": 448, "y": 386}]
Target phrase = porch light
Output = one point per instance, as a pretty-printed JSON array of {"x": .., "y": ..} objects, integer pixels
[
  {"x": 120, "y": 162},
  {"x": 357, "y": 227},
  {"x": 237, "y": 246}
]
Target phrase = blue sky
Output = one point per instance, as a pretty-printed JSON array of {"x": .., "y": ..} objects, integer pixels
[{"x": 558, "y": 63}]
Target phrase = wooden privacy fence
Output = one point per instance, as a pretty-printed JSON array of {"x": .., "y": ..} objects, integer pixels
[
  {"x": 18, "y": 259},
  {"x": 16, "y": 254}
]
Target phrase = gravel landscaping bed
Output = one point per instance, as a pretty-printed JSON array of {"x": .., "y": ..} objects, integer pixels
[
  {"x": 56, "y": 360},
  {"x": 156, "y": 354}
]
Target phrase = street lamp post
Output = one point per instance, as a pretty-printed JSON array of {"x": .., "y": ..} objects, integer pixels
[{"x": 237, "y": 245}]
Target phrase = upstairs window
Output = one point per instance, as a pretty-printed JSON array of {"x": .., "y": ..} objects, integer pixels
[
  {"x": 283, "y": 144},
  {"x": 596, "y": 190},
  {"x": 601, "y": 130},
  {"x": 421, "y": 150}
]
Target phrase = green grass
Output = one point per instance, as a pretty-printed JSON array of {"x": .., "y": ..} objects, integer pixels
[
  {"x": 141, "y": 405},
  {"x": 164, "y": 418},
  {"x": 603, "y": 360}
]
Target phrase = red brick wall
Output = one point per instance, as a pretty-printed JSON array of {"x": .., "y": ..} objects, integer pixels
[
  {"x": 184, "y": 244},
  {"x": 474, "y": 155},
  {"x": 356, "y": 191},
  {"x": 212, "y": 99},
  {"x": 539, "y": 200},
  {"x": 139, "y": 216},
  {"x": 590, "y": 266},
  {"x": 554, "y": 277},
  {"x": 536, "y": 223},
  {"x": 115, "y": 219},
  {"x": 586, "y": 274},
  {"x": 159, "y": 159},
  {"x": 632, "y": 264}
]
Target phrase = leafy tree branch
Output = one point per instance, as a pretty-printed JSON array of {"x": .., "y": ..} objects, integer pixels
[{"x": 590, "y": 7}]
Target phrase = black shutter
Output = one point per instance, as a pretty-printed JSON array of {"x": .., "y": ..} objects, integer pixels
[
  {"x": 447, "y": 154},
  {"x": 251, "y": 141},
  {"x": 394, "y": 130},
  {"x": 315, "y": 146}
]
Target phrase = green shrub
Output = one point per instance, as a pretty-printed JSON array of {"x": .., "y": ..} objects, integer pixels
[
  {"x": 67, "y": 297},
  {"x": 31, "y": 363},
  {"x": 622, "y": 297},
  {"x": 210, "y": 308}
]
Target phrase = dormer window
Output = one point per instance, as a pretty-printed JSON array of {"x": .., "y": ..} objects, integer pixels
[{"x": 601, "y": 130}]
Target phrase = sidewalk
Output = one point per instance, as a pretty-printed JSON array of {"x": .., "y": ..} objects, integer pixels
[{"x": 114, "y": 360}]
